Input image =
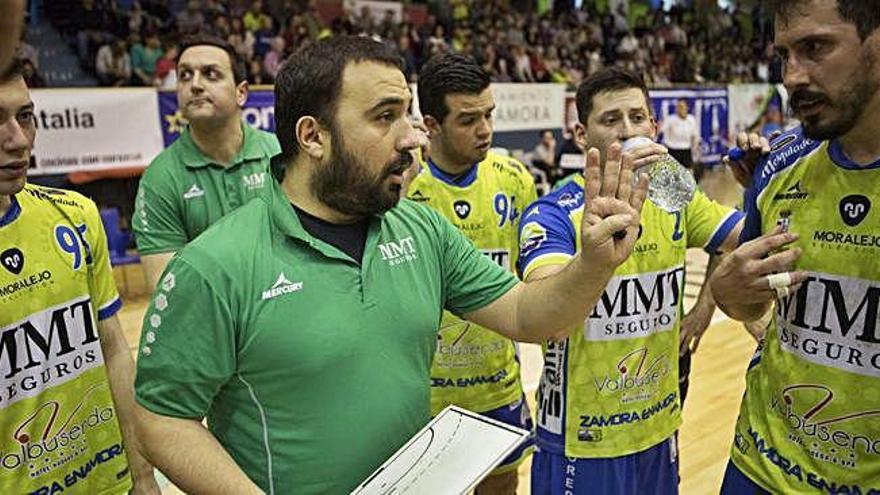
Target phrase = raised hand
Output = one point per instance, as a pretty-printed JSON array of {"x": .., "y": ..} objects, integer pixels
[{"x": 612, "y": 207}]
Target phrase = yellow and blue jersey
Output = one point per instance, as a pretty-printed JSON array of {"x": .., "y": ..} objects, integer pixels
[
  {"x": 474, "y": 367},
  {"x": 611, "y": 387},
  {"x": 810, "y": 417},
  {"x": 59, "y": 428}
]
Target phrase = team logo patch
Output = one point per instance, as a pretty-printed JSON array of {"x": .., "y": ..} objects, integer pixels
[
  {"x": 13, "y": 260},
  {"x": 854, "y": 208},
  {"x": 531, "y": 238},
  {"x": 462, "y": 208}
]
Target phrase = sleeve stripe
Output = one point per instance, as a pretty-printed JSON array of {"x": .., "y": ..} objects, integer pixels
[
  {"x": 546, "y": 260},
  {"x": 110, "y": 309},
  {"x": 723, "y": 230}
]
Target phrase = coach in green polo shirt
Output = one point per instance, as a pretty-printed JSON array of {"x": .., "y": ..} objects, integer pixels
[
  {"x": 303, "y": 325},
  {"x": 216, "y": 165}
]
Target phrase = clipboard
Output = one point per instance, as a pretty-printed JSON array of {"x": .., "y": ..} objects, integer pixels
[{"x": 452, "y": 454}]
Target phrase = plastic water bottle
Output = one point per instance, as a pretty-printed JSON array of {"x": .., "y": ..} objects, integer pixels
[{"x": 672, "y": 186}]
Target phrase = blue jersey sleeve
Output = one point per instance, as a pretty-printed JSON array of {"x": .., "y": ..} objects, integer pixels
[{"x": 546, "y": 236}]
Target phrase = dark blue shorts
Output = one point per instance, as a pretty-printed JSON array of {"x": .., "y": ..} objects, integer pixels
[
  {"x": 736, "y": 483},
  {"x": 653, "y": 471},
  {"x": 516, "y": 414}
]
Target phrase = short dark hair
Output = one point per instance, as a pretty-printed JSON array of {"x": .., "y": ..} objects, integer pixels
[
  {"x": 238, "y": 71},
  {"x": 310, "y": 81},
  {"x": 448, "y": 74},
  {"x": 609, "y": 79},
  {"x": 13, "y": 71},
  {"x": 865, "y": 14}
]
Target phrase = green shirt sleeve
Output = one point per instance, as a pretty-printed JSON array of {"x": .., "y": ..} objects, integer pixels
[
  {"x": 158, "y": 219},
  {"x": 187, "y": 349},
  {"x": 471, "y": 279}
]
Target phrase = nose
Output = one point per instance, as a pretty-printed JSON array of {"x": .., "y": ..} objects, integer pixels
[
  {"x": 626, "y": 130},
  {"x": 484, "y": 130},
  {"x": 196, "y": 83},
  {"x": 14, "y": 138},
  {"x": 794, "y": 73},
  {"x": 412, "y": 138}
]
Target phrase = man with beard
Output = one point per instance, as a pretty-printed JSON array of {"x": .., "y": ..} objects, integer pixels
[
  {"x": 809, "y": 418},
  {"x": 216, "y": 165},
  {"x": 482, "y": 193},
  {"x": 303, "y": 325}
]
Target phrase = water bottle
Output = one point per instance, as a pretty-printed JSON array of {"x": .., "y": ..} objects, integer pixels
[{"x": 672, "y": 186}]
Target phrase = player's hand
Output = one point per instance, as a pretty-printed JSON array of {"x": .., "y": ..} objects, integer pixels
[
  {"x": 693, "y": 326},
  {"x": 748, "y": 276},
  {"x": 646, "y": 155},
  {"x": 612, "y": 208},
  {"x": 755, "y": 146}
]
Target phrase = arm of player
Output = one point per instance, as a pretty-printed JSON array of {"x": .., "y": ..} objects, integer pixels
[
  {"x": 120, "y": 372},
  {"x": 203, "y": 466},
  {"x": 740, "y": 284},
  {"x": 697, "y": 320},
  {"x": 549, "y": 307},
  {"x": 154, "y": 265}
]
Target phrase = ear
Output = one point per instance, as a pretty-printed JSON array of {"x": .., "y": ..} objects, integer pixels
[
  {"x": 434, "y": 128},
  {"x": 655, "y": 128},
  {"x": 580, "y": 136},
  {"x": 310, "y": 137},
  {"x": 241, "y": 93}
]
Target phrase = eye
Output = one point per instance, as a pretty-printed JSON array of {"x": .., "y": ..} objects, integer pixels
[
  {"x": 814, "y": 48},
  {"x": 609, "y": 120},
  {"x": 387, "y": 116},
  {"x": 185, "y": 75},
  {"x": 25, "y": 118},
  {"x": 639, "y": 117}
]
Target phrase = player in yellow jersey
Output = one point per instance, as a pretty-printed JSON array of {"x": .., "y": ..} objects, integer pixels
[
  {"x": 483, "y": 195},
  {"x": 609, "y": 404},
  {"x": 810, "y": 417},
  {"x": 65, "y": 368}
]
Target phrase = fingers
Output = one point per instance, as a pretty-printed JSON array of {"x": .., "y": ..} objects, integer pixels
[
  {"x": 608, "y": 226},
  {"x": 778, "y": 262},
  {"x": 592, "y": 175},
  {"x": 695, "y": 343},
  {"x": 639, "y": 193},
  {"x": 759, "y": 247},
  {"x": 624, "y": 186},
  {"x": 612, "y": 171},
  {"x": 646, "y": 155}
]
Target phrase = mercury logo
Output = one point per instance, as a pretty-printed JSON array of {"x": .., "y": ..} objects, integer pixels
[{"x": 281, "y": 286}]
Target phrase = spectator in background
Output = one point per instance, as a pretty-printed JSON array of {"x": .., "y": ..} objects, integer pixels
[
  {"x": 89, "y": 24},
  {"x": 681, "y": 136},
  {"x": 264, "y": 37},
  {"x": 26, "y": 51},
  {"x": 190, "y": 19},
  {"x": 166, "y": 69},
  {"x": 241, "y": 39},
  {"x": 772, "y": 121},
  {"x": 31, "y": 76},
  {"x": 253, "y": 18},
  {"x": 256, "y": 73},
  {"x": 274, "y": 57},
  {"x": 113, "y": 64},
  {"x": 544, "y": 155},
  {"x": 144, "y": 58}
]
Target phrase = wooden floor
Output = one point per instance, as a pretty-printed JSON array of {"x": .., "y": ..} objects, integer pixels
[{"x": 717, "y": 375}]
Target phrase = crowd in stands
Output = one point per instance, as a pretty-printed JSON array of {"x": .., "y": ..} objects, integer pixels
[{"x": 125, "y": 42}]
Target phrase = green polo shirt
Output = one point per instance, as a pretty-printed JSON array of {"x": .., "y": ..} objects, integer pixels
[
  {"x": 311, "y": 369},
  {"x": 183, "y": 192}
]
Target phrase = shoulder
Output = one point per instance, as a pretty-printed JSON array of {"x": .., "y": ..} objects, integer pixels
[
  {"x": 236, "y": 236},
  {"x": 505, "y": 164},
  {"x": 267, "y": 141},
  {"x": 786, "y": 151},
  {"x": 68, "y": 203},
  {"x": 567, "y": 198}
]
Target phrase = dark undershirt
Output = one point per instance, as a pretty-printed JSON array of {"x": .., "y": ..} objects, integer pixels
[{"x": 349, "y": 238}]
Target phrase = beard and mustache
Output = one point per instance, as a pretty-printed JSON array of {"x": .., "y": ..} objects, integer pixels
[
  {"x": 345, "y": 184},
  {"x": 849, "y": 105}
]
